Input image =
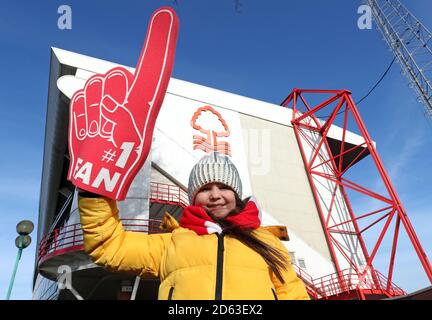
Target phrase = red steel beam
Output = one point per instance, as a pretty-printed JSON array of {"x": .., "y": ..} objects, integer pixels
[
  {"x": 392, "y": 191},
  {"x": 394, "y": 201}
]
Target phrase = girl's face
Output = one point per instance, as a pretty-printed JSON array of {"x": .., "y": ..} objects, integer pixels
[{"x": 217, "y": 198}]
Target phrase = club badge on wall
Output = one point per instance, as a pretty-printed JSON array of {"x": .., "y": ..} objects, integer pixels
[
  {"x": 111, "y": 120},
  {"x": 213, "y": 129}
]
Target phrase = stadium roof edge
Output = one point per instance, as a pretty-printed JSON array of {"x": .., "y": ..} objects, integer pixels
[{"x": 88, "y": 66}]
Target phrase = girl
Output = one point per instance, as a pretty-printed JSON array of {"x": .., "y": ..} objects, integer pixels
[{"x": 217, "y": 251}]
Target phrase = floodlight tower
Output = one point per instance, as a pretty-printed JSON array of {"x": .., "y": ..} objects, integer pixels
[{"x": 410, "y": 42}]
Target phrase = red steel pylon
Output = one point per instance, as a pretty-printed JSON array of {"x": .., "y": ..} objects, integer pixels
[{"x": 329, "y": 156}]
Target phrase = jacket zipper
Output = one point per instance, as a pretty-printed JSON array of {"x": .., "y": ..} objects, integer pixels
[
  {"x": 219, "y": 266},
  {"x": 170, "y": 293},
  {"x": 274, "y": 294}
]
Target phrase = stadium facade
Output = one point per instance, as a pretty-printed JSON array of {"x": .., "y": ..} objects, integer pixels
[{"x": 261, "y": 140}]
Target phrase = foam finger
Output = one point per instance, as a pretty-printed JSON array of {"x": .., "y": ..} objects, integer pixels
[
  {"x": 116, "y": 85},
  {"x": 93, "y": 96},
  {"x": 154, "y": 66},
  {"x": 78, "y": 116}
]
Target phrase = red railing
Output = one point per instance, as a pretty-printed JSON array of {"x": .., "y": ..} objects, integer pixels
[
  {"x": 165, "y": 193},
  {"x": 70, "y": 238},
  {"x": 347, "y": 281},
  {"x": 308, "y": 282}
]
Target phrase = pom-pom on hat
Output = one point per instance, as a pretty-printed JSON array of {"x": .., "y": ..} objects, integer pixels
[{"x": 213, "y": 167}]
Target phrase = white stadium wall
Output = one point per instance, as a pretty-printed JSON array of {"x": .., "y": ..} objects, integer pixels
[{"x": 260, "y": 141}]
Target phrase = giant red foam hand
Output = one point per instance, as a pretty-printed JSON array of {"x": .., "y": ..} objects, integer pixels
[{"x": 111, "y": 120}]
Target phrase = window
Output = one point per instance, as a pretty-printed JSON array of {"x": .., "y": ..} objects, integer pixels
[
  {"x": 302, "y": 263},
  {"x": 292, "y": 255}
]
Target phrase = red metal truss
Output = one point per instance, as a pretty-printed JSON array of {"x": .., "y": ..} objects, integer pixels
[
  {"x": 328, "y": 172},
  {"x": 168, "y": 194}
]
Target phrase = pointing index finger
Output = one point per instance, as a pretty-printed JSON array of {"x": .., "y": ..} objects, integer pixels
[{"x": 155, "y": 63}]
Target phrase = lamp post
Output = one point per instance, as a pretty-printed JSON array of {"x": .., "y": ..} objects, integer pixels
[{"x": 24, "y": 228}]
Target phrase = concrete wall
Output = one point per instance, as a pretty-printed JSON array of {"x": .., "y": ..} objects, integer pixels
[{"x": 279, "y": 180}]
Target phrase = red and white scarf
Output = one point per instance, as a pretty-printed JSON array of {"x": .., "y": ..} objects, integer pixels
[{"x": 197, "y": 219}]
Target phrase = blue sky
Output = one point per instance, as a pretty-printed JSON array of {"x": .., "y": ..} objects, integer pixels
[{"x": 263, "y": 52}]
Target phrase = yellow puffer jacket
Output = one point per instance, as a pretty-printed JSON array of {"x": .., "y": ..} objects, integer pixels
[{"x": 189, "y": 266}]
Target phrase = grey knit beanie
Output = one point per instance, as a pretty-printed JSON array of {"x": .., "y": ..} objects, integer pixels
[{"x": 213, "y": 167}]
